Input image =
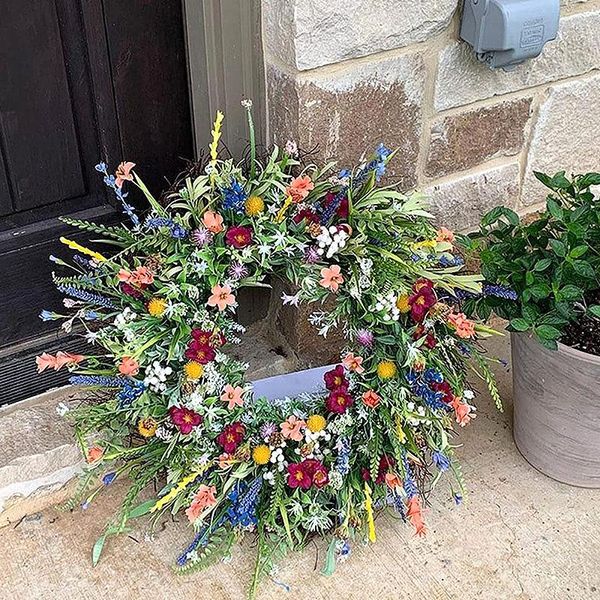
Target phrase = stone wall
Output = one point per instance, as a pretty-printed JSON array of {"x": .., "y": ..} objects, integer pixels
[{"x": 343, "y": 76}]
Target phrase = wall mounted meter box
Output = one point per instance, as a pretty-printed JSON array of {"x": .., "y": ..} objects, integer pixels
[{"x": 506, "y": 33}]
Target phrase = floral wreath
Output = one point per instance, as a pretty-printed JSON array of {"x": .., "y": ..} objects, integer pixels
[{"x": 172, "y": 402}]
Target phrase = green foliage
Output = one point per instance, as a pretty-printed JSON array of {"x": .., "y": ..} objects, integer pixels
[{"x": 552, "y": 262}]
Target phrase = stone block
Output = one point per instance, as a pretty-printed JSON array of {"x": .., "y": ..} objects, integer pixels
[
  {"x": 565, "y": 136},
  {"x": 462, "y": 141},
  {"x": 305, "y": 34},
  {"x": 460, "y": 203},
  {"x": 338, "y": 115},
  {"x": 461, "y": 79}
]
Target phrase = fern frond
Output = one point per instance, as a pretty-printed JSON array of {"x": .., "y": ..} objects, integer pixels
[
  {"x": 219, "y": 545},
  {"x": 115, "y": 232}
]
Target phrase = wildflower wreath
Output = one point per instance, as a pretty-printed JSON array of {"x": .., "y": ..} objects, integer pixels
[{"x": 172, "y": 405}]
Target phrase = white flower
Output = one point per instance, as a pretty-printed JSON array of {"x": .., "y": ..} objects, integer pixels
[
  {"x": 291, "y": 300},
  {"x": 291, "y": 147},
  {"x": 62, "y": 409}
]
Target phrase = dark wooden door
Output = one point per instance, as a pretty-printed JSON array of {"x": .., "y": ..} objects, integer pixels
[{"x": 80, "y": 81}]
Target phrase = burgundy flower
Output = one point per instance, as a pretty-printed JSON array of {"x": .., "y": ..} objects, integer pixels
[
  {"x": 231, "y": 437},
  {"x": 239, "y": 237},
  {"x": 430, "y": 341},
  {"x": 320, "y": 476},
  {"x": 128, "y": 289},
  {"x": 200, "y": 353},
  {"x": 185, "y": 419},
  {"x": 385, "y": 462},
  {"x": 444, "y": 387},
  {"x": 202, "y": 336},
  {"x": 306, "y": 214},
  {"x": 342, "y": 210},
  {"x": 339, "y": 401},
  {"x": 299, "y": 476},
  {"x": 422, "y": 299},
  {"x": 336, "y": 379}
]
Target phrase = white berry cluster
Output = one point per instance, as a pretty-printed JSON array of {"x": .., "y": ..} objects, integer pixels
[
  {"x": 156, "y": 377},
  {"x": 313, "y": 441},
  {"x": 420, "y": 411},
  {"x": 330, "y": 240},
  {"x": 124, "y": 318},
  {"x": 387, "y": 304}
]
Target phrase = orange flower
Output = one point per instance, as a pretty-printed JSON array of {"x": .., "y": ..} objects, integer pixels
[
  {"x": 221, "y": 297},
  {"x": 123, "y": 173},
  {"x": 213, "y": 221},
  {"x": 291, "y": 428},
  {"x": 371, "y": 399},
  {"x": 48, "y": 361},
  {"x": 332, "y": 277},
  {"x": 392, "y": 480},
  {"x": 462, "y": 411},
  {"x": 444, "y": 235},
  {"x": 463, "y": 326},
  {"x": 353, "y": 363},
  {"x": 129, "y": 366},
  {"x": 94, "y": 453},
  {"x": 299, "y": 188},
  {"x": 415, "y": 515},
  {"x": 233, "y": 396},
  {"x": 205, "y": 497}
]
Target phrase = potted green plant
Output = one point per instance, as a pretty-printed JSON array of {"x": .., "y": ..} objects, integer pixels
[{"x": 551, "y": 264}]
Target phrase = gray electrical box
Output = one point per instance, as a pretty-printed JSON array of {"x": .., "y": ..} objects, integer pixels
[{"x": 505, "y": 33}]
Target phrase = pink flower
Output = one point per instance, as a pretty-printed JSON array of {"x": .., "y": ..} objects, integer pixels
[
  {"x": 299, "y": 188},
  {"x": 291, "y": 428},
  {"x": 221, "y": 297},
  {"x": 332, "y": 277},
  {"x": 205, "y": 497},
  {"x": 233, "y": 396},
  {"x": 444, "y": 235},
  {"x": 463, "y": 326},
  {"x": 141, "y": 276},
  {"x": 48, "y": 361},
  {"x": 123, "y": 173},
  {"x": 129, "y": 366},
  {"x": 353, "y": 363},
  {"x": 213, "y": 221}
]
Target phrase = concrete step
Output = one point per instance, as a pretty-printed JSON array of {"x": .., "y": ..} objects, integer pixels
[{"x": 38, "y": 454}]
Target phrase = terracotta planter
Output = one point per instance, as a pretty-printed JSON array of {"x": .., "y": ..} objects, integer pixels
[{"x": 557, "y": 410}]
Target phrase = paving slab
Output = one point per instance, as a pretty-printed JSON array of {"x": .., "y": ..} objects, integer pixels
[{"x": 518, "y": 535}]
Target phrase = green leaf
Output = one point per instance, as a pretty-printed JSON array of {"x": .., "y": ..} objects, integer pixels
[
  {"x": 578, "y": 251},
  {"x": 554, "y": 208},
  {"x": 520, "y": 325},
  {"x": 329, "y": 566},
  {"x": 558, "y": 248},
  {"x": 569, "y": 293},
  {"x": 588, "y": 179},
  {"x": 141, "y": 509},
  {"x": 595, "y": 310},
  {"x": 547, "y": 332},
  {"x": 543, "y": 264},
  {"x": 97, "y": 549},
  {"x": 548, "y": 343},
  {"x": 584, "y": 269}
]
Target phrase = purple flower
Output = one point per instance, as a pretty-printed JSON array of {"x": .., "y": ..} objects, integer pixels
[
  {"x": 237, "y": 271},
  {"x": 201, "y": 237},
  {"x": 311, "y": 256},
  {"x": 365, "y": 338},
  {"x": 268, "y": 429},
  {"x": 441, "y": 461}
]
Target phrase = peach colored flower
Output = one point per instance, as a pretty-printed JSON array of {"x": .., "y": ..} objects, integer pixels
[
  {"x": 213, "y": 221},
  {"x": 221, "y": 297},
  {"x": 445, "y": 235},
  {"x": 94, "y": 453},
  {"x": 415, "y": 515},
  {"x": 123, "y": 173},
  {"x": 462, "y": 411},
  {"x": 332, "y": 277},
  {"x": 371, "y": 399},
  {"x": 233, "y": 396},
  {"x": 48, "y": 361},
  {"x": 129, "y": 366},
  {"x": 392, "y": 480},
  {"x": 299, "y": 188},
  {"x": 140, "y": 276},
  {"x": 291, "y": 428},
  {"x": 463, "y": 326},
  {"x": 353, "y": 363},
  {"x": 205, "y": 497},
  {"x": 226, "y": 460}
]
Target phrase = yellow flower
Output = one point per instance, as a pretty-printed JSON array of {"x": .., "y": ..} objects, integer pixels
[
  {"x": 386, "y": 369},
  {"x": 147, "y": 427},
  {"x": 254, "y": 206},
  {"x": 193, "y": 370},
  {"x": 316, "y": 423},
  {"x": 156, "y": 307},
  {"x": 75, "y": 246},
  {"x": 261, "y": 454},
  {"x": 402, "y": 303}
]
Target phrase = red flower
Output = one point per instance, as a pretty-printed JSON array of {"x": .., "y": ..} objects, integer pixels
[
  {"x": 185, "y": 419},
  {"x": 200, "y": 353},
  {"x": 339, "y": 401},
  {"x": 422, "y": 299},
  {"x": 134, "y": 292},
  {"x": 299, "y": 476},
  {"x": 306, "y": 213},
  {"x": 203, "y": 337},
  {"x": 231, "y": 437},
  {"x": 336, "y": 379},
  {"x": 445, "y": 388},
  {"x": 239, "y": 237},
  {"x": 430, "y": 341},
  {"x": 342, "y": 210},
  {"x": 320, "y": 476}
]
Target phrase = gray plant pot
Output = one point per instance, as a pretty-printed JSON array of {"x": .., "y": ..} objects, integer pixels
[{"x": 557, "y": 410}]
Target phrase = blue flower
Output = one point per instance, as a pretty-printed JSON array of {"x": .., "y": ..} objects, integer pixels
[
  {"x": 132, "y": 390},
  {"x": 441, "y": 461},
  {"x": 344, "y": 173},
  {"x": 97, "y": 381},
  {"x": 382, "y": 151},
  {"x": 109, "y": 478},
  {"x": 101, "y": 167},
  {"x": 91, "y": 315},
  {"x": 178, "y": 232},
  {"x": 234, "y": 197},
  {"x": 47, "y": 315},
  {"x": 410, "y": 488},
  {"x": 458, "y": 499},
  {"x": 86, "y": 296}
]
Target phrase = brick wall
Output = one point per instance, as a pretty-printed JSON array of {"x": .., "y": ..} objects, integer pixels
[{"x": 344, "y": 76}]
